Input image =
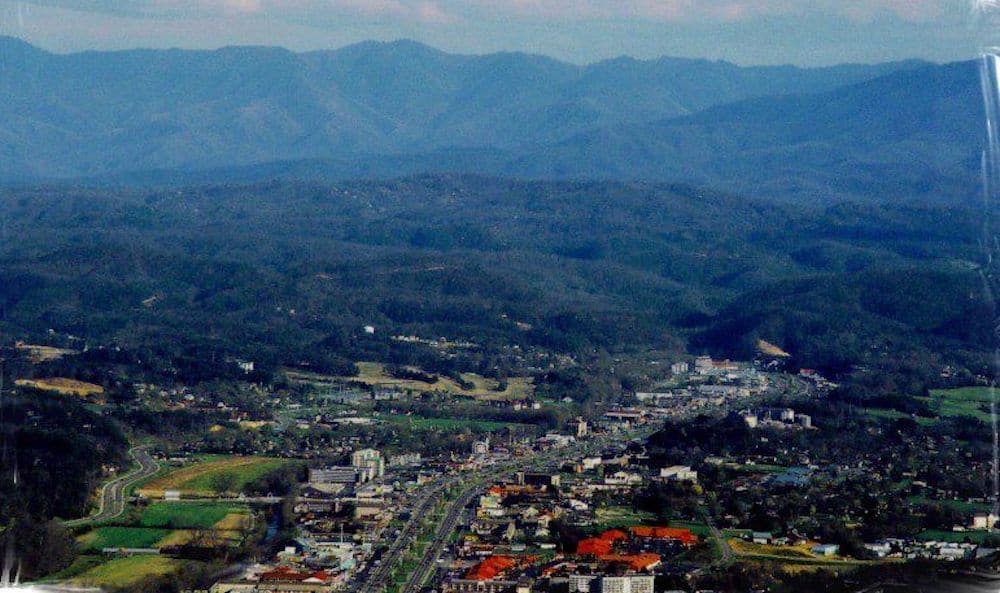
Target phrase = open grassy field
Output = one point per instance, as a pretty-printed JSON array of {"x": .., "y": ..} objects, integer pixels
[
  {"x": 63, "y": 386},
  {"x": 799, "y": 552},
  {"x": 958, "y": 505},
  {"x": 620, "y": 517},
  {"x": 38, "y": 353},
  {"x": 184, "y": 515},
  {"x": 452, "y": 423},
  {"x": 964, "y": 401},
  {"x": 976, "y": 537},
  {"x": 374, "y": 374},
  {"x": 123, "y": 572},
  {"x": 700, "y": 529},
  {"x": 121, "y": 537},
  {"x": 199, "y": 477},
  {"x": 757, "y": 468}
]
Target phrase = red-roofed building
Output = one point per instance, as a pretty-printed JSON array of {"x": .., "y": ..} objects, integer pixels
[
  {"x": 614, "y": 535},
  {"x": 636, "y": 562},
  {"x": 496, "y": 566},
  {"x": 593, "y": 546},
  {"x": 490, "y": 568},
  {"x": 683, "y": 536}
]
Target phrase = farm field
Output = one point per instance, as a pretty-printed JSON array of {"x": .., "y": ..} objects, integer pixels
[
  {"x": 620, "y": 517},
  {"x": 123, "y": 572},
  {"x": 799, "y": 552},
  {"x": 199, "y": 478},
  {"x": 453, "y": 423},
  {"x": 760, "y": 468},
  {"x": 976, "y": 537},
  {"x": 963, "y": 401},
  {"x": 37, "y": 353},
  {"x": 184, "y": 515},
  {"x": 958, "y": 505},
  {"x": 62, "y": 386},
  {"x": 374, "y": 374},
  {"x": 122, "y": 537}
]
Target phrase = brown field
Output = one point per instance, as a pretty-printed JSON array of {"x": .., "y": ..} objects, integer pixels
[
  {"x": 771, "y": 350},
  {"x": 374, "y": 374},
  {"x": 233, "y": 522},
  {"x": 226, "y": 531},
  {"x": 801, "y": 551},
  {"x": 38, "y": 354},
  {"x": 63, "y": 386}
]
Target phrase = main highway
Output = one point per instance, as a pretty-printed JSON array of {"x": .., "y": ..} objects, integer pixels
[
  {"x": 376, "y": 577},
  {"x": 374, "y": 580},
  {"x": 111, "y": 502}
]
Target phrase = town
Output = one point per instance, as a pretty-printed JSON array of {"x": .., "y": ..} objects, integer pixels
[{"x": 354, "y": 484}]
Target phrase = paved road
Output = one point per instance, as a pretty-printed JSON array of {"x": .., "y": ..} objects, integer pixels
[
  {"x": 378, "y": 577},
  {"x": 428, "y": 563},
  {"x": 111, "y": 503},
  {"x": 726, "y": 550}
]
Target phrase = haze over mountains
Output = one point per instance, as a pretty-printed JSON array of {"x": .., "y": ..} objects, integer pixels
[{"x": 901, "y": 130}]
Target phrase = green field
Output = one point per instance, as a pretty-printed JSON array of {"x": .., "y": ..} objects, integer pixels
[
  {"x": 124, "y": 572},
  {"x": 958, "y": 505},
  {"x": 700, "y": 529},
  {"x": 183, "y": 515},
  {"x": 976, "y": 537},
  {"x": 201, "y": 477},
  {"x": 453, "y": 424},
  {"x": 964, "y": 401},
  {"x": 620, "y": 517},
  {"x": 121, "y": 537},
  {"x": 761, "y": 468}
]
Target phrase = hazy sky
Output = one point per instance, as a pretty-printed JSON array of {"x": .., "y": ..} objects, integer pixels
[{"x": 743, "y": 31}]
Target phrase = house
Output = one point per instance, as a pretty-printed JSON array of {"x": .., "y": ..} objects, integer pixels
[
  {"x": 826, "y": 549},
  {"x": 983, "y": 521},
  {"x": 680, "y": 368},
  {"x": 679, "y": 473},
  {"x": 879, "y": 549},
  {"x": 761, "y": 537}
]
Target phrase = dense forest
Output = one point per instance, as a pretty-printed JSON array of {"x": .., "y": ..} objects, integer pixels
[{"x": 291, "y": 273}]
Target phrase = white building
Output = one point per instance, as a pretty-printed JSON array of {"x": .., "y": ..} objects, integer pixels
[
  {"x": 369, "y": 463},
  {"x": 679, "y": 473},
  {"x": 984, "y": 521},
  {"x": 626, "y": 584},
  {"x": 481, "y": 447}
]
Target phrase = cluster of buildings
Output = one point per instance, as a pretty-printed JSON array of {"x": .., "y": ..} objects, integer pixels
[
  {"x": 702, "y": 384},
  {"x": 930, "y": 550},
  {"x": 776, "y": 418},
  {"x": 340, "y": 515},
  {"x": 511, "y": 544},
  {"x": 366, "y": 465}
]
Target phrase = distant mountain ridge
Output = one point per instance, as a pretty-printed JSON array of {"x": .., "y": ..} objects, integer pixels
[
  {"x": 913, "y": 135},
  {"x": 99, "y": 114}
]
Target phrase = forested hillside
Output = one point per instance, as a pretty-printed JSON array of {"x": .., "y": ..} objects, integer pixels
[{"x": 289, "y": 273}]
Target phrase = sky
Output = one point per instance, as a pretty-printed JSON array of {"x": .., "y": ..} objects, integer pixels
[{"x": 817, "y": 32}]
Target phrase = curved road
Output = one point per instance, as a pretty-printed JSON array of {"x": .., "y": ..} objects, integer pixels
[{"x": 111, "y": 503}]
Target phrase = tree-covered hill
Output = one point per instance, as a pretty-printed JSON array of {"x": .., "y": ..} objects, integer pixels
[{"x": 290, "y": 272}]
